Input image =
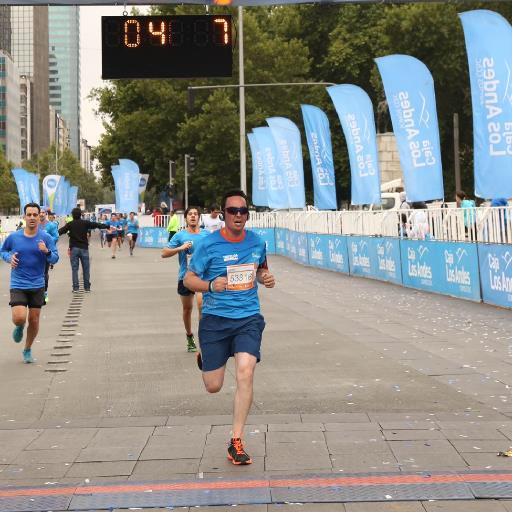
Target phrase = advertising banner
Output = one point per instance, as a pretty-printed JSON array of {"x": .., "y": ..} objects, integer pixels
[
  {"x": 277, "y": 193},
  {"x": 259, "y": 185},
  {"x": 126, "y": 179},
  {"x": 143, "y": 184},
  {"x": 292, "y": 250},
  {"x": 280, "y": 234},
  {"x": 411, "y": 99},
  {"x": 318, "y": 135},
  {"x": 268, "y": 235},
  {"x": 450, "y": 268},
  {"x": 289, "y": 152},
  {"x": 318, "y": 253},
  {"x": 386, "y": 252},
  {"x": 338, "y": 253},
  {"x": 23, "y": 184},
  {"x": 60, "y": 200},
  {"x": 35, "y": 194},
  {"x": 488, "y": 41},
  {"x": 152, "y": 237},
  {"x": 50, "y": 184},
  {"x": 355, "y": 111},
  {"x": 360, "y": 257},
  {"x": 302, "y": 248},
  {"x": 72, "y": 197},
  {"x": 496, "y": 274}
]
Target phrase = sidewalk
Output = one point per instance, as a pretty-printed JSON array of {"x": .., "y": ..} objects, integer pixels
[{"x": 357, "y": 376}]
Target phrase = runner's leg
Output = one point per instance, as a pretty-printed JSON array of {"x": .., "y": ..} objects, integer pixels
[
  {"x": 245, "y": 365},
  {"x": 33, "y": 326},
  {"x": 188, "y": 304}
]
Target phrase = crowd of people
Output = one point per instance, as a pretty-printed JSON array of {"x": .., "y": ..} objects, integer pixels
[{"x": 218, "y": 260}]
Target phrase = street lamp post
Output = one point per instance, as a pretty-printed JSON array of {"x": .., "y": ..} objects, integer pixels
[{"x": 241, "y": 91}]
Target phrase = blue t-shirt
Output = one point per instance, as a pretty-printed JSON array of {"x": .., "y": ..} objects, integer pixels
[
  {"x": 29, "y": 274},
  {"x": 52, "y": 229},
  {"x": 217, "y": 256},
  {"x": 184, "y": 256},
  {"x": 133, "y": 227},
  {"x": 114, "y": 225}
]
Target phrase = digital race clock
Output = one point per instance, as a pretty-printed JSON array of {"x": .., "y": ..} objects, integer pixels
[{"x": 166, "y": 46}]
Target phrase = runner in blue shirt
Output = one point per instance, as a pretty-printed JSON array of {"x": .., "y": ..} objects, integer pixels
[
  {"x": 51, "y": 228},
  {"x": 123, "y": 223},
  {"x": 184, "y": 243},
  {"x": 132, "y": 229},
  {"x": 113, "y": 232},
  {"x": 227, "y": 268},
  {"x": 27, "y": 251}
]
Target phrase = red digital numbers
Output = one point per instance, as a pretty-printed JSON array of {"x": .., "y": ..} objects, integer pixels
[{"x": 172, "y": 32}]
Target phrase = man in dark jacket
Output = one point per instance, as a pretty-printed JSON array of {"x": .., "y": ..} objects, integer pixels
[{"x": 79, "y": 246}]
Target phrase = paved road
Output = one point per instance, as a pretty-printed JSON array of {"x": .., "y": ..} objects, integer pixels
[{"x": 358, "y": 373}]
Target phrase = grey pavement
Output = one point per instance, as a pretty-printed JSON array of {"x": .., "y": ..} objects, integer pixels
[{"x": 356, "y": 376}]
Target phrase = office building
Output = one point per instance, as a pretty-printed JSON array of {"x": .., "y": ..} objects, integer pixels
[
  {"x": 29, "y": 49},
  {"x": 9, "y": 109},
  {"x": 64, "y": 68}
]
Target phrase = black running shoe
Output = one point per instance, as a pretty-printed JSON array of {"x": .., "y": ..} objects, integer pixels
[
  {"x": 199, "y": 361},
  {"x": 236, "y": 453}
]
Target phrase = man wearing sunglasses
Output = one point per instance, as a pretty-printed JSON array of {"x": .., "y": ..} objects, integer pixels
[
  {"x": 227, "y": 268},
  {"x": 28, "y": 251}
]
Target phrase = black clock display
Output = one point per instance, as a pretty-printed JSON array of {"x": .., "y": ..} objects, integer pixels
[{"x": 166, "y": 46}]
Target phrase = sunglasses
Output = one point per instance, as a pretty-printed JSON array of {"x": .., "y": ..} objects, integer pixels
[{"x": 232, "y": 210}]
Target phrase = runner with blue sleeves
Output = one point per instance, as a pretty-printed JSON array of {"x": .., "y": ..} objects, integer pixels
[
  {"x": 184, "y": 243},
  {"x": 227, "y": 268}
]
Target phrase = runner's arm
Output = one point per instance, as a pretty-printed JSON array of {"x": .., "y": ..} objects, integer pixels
[
  {"x": 168, "y": 252},
  {"x": 53, "y": 255},
  {"x": 264, "y": 276},
  {"x": 6, "y": 251},
  {"x": 194, "y": 283}
]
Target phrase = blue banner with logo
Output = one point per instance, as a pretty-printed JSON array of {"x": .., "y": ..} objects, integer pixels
[
  {"x": 72, "y": 197},
  {"x": 450, "y": 268},
  {"x": 268, "y": 235},
  {"x": 411, "y": 99},
  {"x": 153, "y": 237},
  {"x": 23, "y": 184},
  {"x": 386, "y": 252},
  {"x": 496, "y": 273},
  {"x": 259, "y": 184},
  {"x": 126, "y": 179},
  {"x": 355, "y": 111},
  {"x": 50, "y": 183},
  {"x": 280, "y": 234},
  {"x": 338, "y": 253},
  {"x": 35, "y": 193},
  {"x": 318, "y": 247},
  {"x": 289, "y": 152},
  {"x": 361, "y": 258},
  {"x": 488, "y": 42},
  {"x": 60, "y": 199},
  {"x": 277, "y": 193},
  {"x": 318, "y": 135}
]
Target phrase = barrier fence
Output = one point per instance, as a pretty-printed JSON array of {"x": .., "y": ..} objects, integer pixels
[{"x": 457, "y": 252}]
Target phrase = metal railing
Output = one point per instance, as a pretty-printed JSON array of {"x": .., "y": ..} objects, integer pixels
[{"x": 483, "y": 224}]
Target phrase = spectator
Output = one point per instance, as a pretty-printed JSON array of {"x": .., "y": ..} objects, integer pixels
[
  {"x": 468, "y": 205},
  {"x": 419, "y": 227}
]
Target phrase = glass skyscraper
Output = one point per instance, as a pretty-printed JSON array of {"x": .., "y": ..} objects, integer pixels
[
  {"x": 64, "y": 68},
  {"x": 29, "y": 49}
]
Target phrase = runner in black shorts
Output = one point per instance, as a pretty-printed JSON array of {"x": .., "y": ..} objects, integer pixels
[
  {"x": 226, "y": 267},
  {"x": 28, "y": 251},
  {"x": 184, "y": 244}
]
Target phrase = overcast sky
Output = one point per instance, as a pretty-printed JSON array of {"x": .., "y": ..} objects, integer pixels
[{"x": 90, "y": 63}]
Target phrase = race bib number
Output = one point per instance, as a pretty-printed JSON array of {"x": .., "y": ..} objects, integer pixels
[{"x": 241, "y": 277}]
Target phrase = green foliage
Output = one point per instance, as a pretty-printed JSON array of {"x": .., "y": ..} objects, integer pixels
[
  {"x": 148, "y": 120},
  {"x": 9, "y": 200}
]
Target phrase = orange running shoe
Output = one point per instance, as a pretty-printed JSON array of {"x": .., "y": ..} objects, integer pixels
[{"x": 236, "y": 453}]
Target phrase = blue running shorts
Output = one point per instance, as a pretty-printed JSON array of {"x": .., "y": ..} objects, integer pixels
[{"x": 221, "y": 337}]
